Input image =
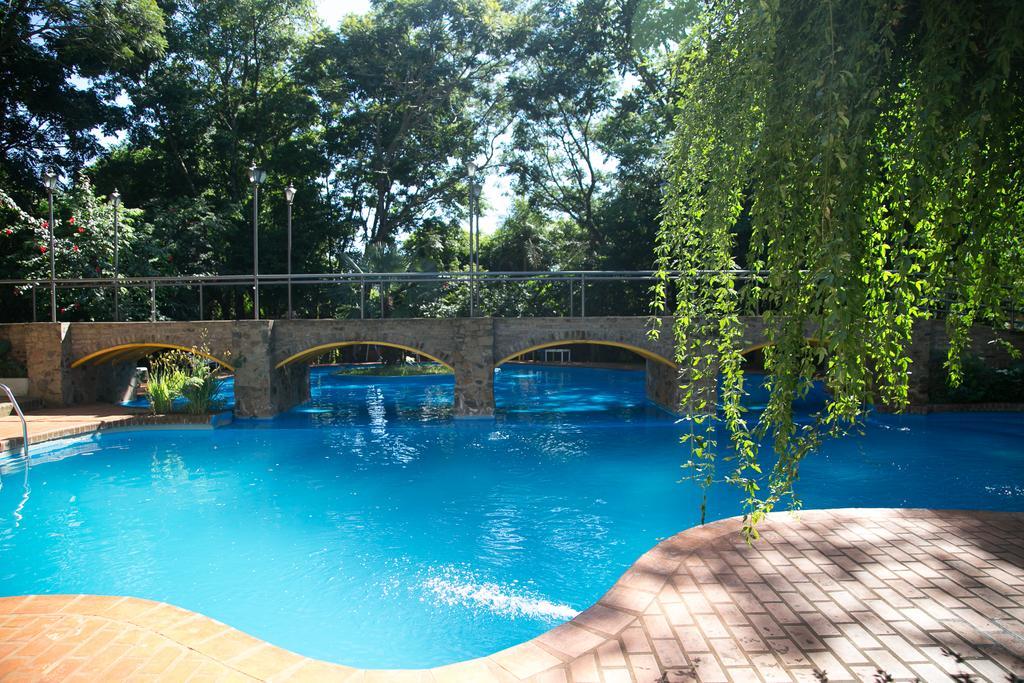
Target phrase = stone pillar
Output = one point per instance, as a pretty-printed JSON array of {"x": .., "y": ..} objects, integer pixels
[
  {"x": 260, "y": 389},
  {"x": 663, "y": 386},
  {"x": 473, "y": 353},
  {"x": 45, "y": 354},
  {"x": 105, "y": 382},
  {"x": 663, "y": 389}
]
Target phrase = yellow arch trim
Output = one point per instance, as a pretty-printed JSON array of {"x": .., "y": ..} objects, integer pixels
[
  {"x": 110, "y": 353},
  {"x": 649, "y": 355},
  {"x": 315, "y": 351},
  {"x": 757, "y": 347}
]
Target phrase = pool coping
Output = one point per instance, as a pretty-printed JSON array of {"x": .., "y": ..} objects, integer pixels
[
  {"x": 545, "y": 657},
  {"x": 255, "y": 658},
  {"x": 87, "y": 424}
]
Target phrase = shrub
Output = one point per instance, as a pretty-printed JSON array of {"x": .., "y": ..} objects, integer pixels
[
  {"x": 166, "y": 379},
  {"x": 200, "y": 388}
]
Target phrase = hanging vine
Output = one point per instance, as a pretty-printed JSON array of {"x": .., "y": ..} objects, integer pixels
[{"x": 873, "y": 147}]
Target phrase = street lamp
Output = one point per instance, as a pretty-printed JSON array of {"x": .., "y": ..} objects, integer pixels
[
  {"x": 256, "y": 177},
  {"x": 474, "y": 193},
  {"x": 115, "y": 198},
  {"x": 50, "y": 179},
  {"x": 289, "y": 195}
]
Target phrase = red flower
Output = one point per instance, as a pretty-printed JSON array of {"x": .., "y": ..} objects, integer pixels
[
  {"x": 74, "y": 247},
  {"x": 42, "y": 249},
  {"x": 81, "y": 230},
  {"x": 46, "y": 224},
  {"x": 62, "y": 309},
  {"x": 8, "y": 231},
  {"x": 71, "y": 221}
]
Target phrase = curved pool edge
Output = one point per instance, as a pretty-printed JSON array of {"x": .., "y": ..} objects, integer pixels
[
  {"x": 58, "y": 424},
  {"x": 643, "y": 627}
]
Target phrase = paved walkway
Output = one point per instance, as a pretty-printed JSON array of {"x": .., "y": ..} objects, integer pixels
[
  {"x": 53, "y": 423},
  {"x": 47, "y": 424},
  {"x": 843, "y": 594}
]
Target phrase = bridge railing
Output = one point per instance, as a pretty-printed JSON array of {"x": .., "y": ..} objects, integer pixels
[
  {"x": 573, "y": 293},
  {"x": 347, "y": 295}
]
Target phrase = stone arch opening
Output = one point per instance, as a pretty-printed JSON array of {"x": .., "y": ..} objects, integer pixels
[
  {"x": 595, "y": 377},
  {"x": 315, "y": 352},
  {"x": 110, "y": 375},
  {"x": 646, "y": 354},
  {"x": 365, "y": 383},
  {"x": 134, "y": 351}
]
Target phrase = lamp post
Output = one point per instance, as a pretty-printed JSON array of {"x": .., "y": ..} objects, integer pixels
[
  {"x": 115, "y": 198},
  {"x": 256, "y": 177},
  {"x": 474, "y": 193},
  {"x": 51, "y": 184},
  {"x": 289, "y": 195}
]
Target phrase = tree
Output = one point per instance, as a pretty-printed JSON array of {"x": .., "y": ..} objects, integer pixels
[
  {"x": 409, "y": 92},
  {"x": 873, "y": 146},
  {"x": 62, "y": 66},
  {"x": 225, "y": 96}
]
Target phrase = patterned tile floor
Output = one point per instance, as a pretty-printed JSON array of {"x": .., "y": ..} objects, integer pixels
[{"x": 842, "y": 595}]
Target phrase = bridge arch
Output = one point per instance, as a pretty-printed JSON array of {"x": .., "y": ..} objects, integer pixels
[
  {"x": 136, "y": 350},
  {"x": 642, "y": 352},
  {"x": 320, "y": 349},
  {"x": 760, "y": 346}
]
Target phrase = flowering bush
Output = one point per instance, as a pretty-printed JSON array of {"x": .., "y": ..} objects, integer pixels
[{"x": 83, "y": 247}]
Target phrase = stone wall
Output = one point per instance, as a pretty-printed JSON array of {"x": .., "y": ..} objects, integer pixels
[{"x": 270, "y": 357}]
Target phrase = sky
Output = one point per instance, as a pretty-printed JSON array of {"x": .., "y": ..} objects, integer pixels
[
  {"x": 331, "y": 11},
  {"x": 497, "y": 192}
]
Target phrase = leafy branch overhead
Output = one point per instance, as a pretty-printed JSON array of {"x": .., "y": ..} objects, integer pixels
[{"x": 872, "y": 147}]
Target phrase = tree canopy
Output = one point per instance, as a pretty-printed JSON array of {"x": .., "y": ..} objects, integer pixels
[
  {"x": 373, "y": 121},
  {"x": 872, "y": 148}
]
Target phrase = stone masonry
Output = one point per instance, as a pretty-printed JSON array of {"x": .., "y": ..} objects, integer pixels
[{"x": 76, "y": 363}]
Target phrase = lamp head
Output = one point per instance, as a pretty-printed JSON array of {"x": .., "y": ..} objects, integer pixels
[
  {"x": 256, "y": 175},
  {"x": 471, "y": 168},
  {"x": 115, "y": 197},
  {"x": 289, "y": 193},
  {"x": 50, "y": 179}
]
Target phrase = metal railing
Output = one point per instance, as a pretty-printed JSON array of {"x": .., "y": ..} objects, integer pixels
[
  {"x": 24, "y": 424},
  {"x": 26, "y": 489},
  {"x": 573, "y": 300}
]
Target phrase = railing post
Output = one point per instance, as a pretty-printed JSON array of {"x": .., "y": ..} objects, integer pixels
[
  {"x": 572, "y": 297},
  {"x": 362, "y": 298},
  {"x": 381, "y": 298},
  {"x": 201, "y": 301},
  {"x": 583, "y": 295},
  {"x": 33, "y": 303},
  {"x": 152, "y": 301}
]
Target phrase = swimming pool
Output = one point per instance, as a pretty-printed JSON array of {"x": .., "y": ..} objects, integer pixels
[{"x": 367, "y": 527}]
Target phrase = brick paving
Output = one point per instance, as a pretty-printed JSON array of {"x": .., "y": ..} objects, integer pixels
[
  {"x": 46, "y": 424},
  {"x": 919, "y": 594}
]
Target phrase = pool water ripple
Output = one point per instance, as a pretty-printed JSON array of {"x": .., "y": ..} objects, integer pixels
[{"x": 369, "y": 527}]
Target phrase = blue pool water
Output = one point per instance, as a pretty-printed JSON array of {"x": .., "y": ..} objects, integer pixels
[{"x": 370, "y": 528}]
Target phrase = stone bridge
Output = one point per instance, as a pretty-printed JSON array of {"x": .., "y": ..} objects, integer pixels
[{"x": 71, "y": 363}]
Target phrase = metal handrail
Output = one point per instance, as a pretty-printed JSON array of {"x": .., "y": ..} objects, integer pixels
[
  {"x": 578, "y": 281},
  {"x": 24, "y": 422}
]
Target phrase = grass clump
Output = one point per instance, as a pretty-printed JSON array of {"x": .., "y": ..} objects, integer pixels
[
  {"x": 180, "y": 374},
  {"x": 397, "y": 370}
]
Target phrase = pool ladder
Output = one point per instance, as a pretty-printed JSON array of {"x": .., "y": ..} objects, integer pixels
[{"x": 24, "y": 445}]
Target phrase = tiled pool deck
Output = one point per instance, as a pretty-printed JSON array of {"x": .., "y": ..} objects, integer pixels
[
  {"x": 920, "y": 594},
  {"x": 48, "y": 424}
]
